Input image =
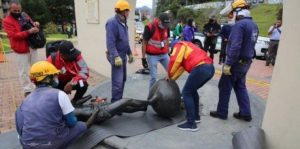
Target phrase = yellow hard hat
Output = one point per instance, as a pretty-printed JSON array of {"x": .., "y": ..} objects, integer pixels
[
  {"x": 236, "y": 4},
  {"x": 239, "y": 4},
  {"x": 40, "y": 70},
  {"x": 122, "y": 5}
]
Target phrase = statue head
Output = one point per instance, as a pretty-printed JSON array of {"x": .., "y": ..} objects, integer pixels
[{"x": 164, "y": 97}]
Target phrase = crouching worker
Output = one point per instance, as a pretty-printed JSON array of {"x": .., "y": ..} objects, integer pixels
[
  {"x": 74, "y": 72},
  {"x": 189, "y": 57},
  {"x": 45, "y": 119}
]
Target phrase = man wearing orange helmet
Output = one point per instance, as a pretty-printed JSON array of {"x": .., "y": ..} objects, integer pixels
[
  {"x": 117, "y": 43},
  {"x": 46, "y": 119},
  {"x": 239, "y": 54}
]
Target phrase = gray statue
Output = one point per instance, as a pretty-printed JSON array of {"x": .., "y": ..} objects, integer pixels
[{"x": 164, "y": 97}]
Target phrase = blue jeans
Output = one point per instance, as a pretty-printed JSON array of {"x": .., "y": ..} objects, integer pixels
[
  {"x": 152, "y": 61},
  {"x": 197, "y": 78}
]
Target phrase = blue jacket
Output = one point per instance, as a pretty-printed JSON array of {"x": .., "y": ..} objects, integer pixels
[
  {"x": 188, "y": 33},
  {"x": 241, "y": 41},
  {"x": 117, "y": 40},
  {"x": 39, "y": 119},
  {"x": 225, "y": 31}
]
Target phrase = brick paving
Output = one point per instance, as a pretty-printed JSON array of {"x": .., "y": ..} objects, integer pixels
[{"x": 258, "y": 77}]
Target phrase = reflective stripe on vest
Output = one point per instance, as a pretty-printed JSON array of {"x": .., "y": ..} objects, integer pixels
[
  {"x": 194, "y": 56},
  {"x": 154, "y": 45}
]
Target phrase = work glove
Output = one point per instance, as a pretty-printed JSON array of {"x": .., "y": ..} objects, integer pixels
[
  {"x": 118, "y": 61},
  {"x": 145, "y": 63},
  {"x": 226, "y": 70},
  {"x": 130, "y": 58}
]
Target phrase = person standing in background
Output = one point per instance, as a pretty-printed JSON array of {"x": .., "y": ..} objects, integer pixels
[
  {"x": 274, "y": 35},
  {"x": 211, "y": 31},
  {"x": 188, "y": 31},
  {"x": 18, "y": 38},
  {"x": 225, "y": 32}
]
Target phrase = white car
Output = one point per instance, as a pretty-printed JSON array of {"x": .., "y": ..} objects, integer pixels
[
  {"x": 261, "y": 45},
  {"x": 199, "y": 36}
]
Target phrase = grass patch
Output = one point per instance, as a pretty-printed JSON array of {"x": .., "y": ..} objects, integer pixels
[
  {"x": 58, "y": 36},
  {"x": 265, "y": 15},
  {"x": 50, "y": 37},
  {"x": 6, "y": 45}
]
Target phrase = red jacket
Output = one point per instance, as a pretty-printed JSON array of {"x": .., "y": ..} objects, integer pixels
[
  {"x": 186, "y": 56},
  {"x": 154, "y": 45},
  {"x": 70, "y": 71},
  {"x": 17, "y": 37}
]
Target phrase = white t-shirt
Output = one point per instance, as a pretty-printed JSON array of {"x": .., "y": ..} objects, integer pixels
[
  {"x": 65, "y": 103},
  {"x": 275, "y": 34}
]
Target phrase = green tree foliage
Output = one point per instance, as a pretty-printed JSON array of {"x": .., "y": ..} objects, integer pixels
[
  {"x": 37, "y": 9},
  {"x": 184, "y": 14},
  {"x": 50, "y": 28},
  {"x": 61, "y": 11},
  {"x": 279, "y": 13}
]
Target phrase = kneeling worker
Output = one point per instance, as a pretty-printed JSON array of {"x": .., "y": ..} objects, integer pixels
[
  {"x": 74, "y": 72},
  {"x": 45, "y": 119},
  {"x": 189, "y": 57}
]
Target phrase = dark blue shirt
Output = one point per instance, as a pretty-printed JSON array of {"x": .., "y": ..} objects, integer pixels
[
  {"x": 225, "y": 31},
  {"x": 188, "y": 33},
  {"x": 117, "y": 40},
  {"x": 241, "y": 41}
]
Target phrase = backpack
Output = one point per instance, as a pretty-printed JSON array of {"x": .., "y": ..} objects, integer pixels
[
  {"x": 36, "y": 40},
  {"x": 52, "y": 47}
]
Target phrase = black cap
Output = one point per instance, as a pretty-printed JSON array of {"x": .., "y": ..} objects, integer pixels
[
  {"x": 66, "y": 47},
  {"x": 165, "y": 20}
]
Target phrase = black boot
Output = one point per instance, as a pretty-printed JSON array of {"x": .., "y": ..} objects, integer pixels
[
  {"x": 215, "y": 114},
  {"x": 241, "y": 117}
]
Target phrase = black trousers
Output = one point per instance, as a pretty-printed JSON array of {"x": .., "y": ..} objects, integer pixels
[
  {"x": 223, "y": 52},
  {"x": 210, "y": 46},
  {"x": 80, "y": 91}
]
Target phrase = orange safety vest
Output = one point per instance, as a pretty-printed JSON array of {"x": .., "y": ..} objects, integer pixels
[
  {"x": 158, "y": 42},
  {"x": 186, "y": 56}
]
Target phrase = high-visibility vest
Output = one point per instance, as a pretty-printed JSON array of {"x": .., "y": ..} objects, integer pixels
[
  {"x": 158, "y": 42},
  {"x": 186, "y": 56}
]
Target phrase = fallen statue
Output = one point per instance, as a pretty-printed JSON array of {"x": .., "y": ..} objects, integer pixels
[{"x": 164, "y": 97}]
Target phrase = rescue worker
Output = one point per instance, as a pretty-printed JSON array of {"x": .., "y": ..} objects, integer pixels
[
  {"x": 156, "y": 45},
  {"x": 211, "y": 31},
  {"x": 189, "y": 57},
  {"x": 74, "y": 70},
  {"x": 239, "y": 54},
  {"x": 117, "y": 43},
  {"x": 45, "y": 119}
]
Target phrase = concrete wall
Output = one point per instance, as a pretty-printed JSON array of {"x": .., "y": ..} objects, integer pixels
[
  {"x": 91, "y": 37},
  {"x": 282, "y": 116}
]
